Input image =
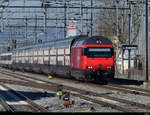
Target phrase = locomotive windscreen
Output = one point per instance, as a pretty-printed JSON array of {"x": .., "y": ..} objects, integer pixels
[
  {"x": 99, "y": 49},
  {"x": 98, "y": 52}
]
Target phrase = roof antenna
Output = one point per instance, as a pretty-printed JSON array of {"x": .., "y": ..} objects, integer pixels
[{"x": 88, "y": 33}]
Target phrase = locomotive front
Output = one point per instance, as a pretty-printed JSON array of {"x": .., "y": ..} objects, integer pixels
[{"x": 94, "y": 58}]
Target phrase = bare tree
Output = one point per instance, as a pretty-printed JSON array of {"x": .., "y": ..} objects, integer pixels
[{"x": 115, "y": 22}]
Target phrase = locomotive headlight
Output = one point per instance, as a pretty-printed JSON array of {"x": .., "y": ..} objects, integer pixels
[
  {"x": 109, "y": 67},
  {"x": 89, "y": 67}
]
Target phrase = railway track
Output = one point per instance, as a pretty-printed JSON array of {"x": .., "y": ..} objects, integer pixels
[
  {"x": 81, "y": 95},
  {"x": 23, "y": 104},
  {"x": 6, "y": 106},
  {"x": 125, "y": 89},
  {"x": 45, "y": 86}
]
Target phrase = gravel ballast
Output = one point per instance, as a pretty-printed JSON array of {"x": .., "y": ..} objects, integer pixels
[{"x": 53, "y": 104}]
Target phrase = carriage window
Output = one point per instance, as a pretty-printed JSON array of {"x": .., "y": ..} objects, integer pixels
[
  {"x": 80, "y": 42},
  {"x": 75, "y": 44}
]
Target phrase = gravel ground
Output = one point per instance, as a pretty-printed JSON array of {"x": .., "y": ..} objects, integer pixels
[
  {"x": 118, "y": 94},
  {"x": 1, "y": 108},
  {"x": 53, "y": 104},
  {"x": 62, "y": 81},
  {"x": 68, "y": 82},
  {"x": 2, "y": 76},
  {"x": 136, "y": 98}
]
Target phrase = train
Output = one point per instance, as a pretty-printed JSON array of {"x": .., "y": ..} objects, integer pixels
[{"x": 80, "y": 57}]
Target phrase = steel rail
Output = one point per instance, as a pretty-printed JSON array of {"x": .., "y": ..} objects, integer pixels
[
  {"x": 127, "y": 87},
  {"x": 126, "y": 90},
  {"x": 130, "y": 90},
  {"x": 21, "y": 78},
  {"x": 6, "y": 106},
  {"x": 88, "y": 99},
  {"x": 117, "y": 107},
  {"x": 30, "y": 84},
  {"x": 75, "y": 89},
  {"x": 31, "y": 103},
  {"x": 47, "y": 87},
  {"x": 90, "y": 93}
]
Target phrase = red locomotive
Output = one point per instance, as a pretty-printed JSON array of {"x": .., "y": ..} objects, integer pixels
[{"x": 92, "y": 58}]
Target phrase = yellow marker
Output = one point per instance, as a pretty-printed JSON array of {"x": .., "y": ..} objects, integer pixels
[
  {"x": 59, "y": 93},
  {"x": 50, "y": 77}
]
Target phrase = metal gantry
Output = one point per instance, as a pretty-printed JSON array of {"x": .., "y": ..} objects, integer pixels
[
  {"x": 44, "y": 9},
  {"x": 146, "y": 20}
]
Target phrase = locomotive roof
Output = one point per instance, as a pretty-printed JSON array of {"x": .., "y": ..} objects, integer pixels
[
  {"x": 102, "y": 40},
  {"x": 92, "y": 40}
]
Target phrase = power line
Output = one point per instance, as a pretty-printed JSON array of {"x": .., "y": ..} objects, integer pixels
[{"x": 75, "y": 7}]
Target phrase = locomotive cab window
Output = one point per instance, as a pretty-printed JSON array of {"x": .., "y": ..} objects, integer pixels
[{"x": 98, "y": 52}]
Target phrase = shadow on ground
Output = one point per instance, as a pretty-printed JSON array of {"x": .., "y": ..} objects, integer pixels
[
  {"x": 7, "y": 95},
  {"x": 121, "y": 81}
]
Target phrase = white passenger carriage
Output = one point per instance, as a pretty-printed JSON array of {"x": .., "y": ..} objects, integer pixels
[
  {"x": 6, "y": 60},
  {"x": 48, "y": 58}
]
